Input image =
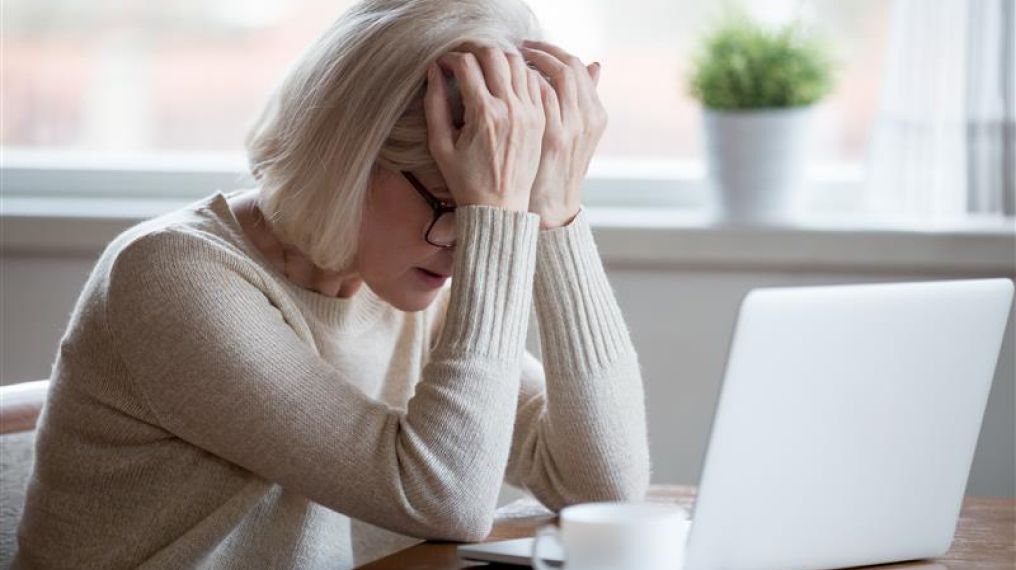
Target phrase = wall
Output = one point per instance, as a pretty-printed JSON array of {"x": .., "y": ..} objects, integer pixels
[{"x": 682, "y": 324}]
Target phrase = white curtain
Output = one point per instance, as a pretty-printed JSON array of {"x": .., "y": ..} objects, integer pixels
[{"x": 944, "y": 142}]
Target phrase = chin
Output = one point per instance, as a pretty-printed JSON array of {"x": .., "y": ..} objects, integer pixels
[{"x": 410, "y": 301}]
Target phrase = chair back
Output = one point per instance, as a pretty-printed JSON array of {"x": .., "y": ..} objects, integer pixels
[{"x": 20, "y": 406}]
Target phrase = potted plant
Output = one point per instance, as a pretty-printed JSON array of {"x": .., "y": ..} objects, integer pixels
[{"x": 758, "y": 87}]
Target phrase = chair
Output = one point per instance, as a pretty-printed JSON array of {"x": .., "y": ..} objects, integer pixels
[{"x": 20, "y": 406}]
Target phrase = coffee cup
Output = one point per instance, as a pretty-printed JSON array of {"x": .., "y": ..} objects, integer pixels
[{"x": 618, "y": 536}]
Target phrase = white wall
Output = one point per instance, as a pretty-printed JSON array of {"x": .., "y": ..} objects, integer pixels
[
  {"x": 37, "y": 294},
  {"x": 682, "y": 324},
  {"x": 681, "y": 313}
]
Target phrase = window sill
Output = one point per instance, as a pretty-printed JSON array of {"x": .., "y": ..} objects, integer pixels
[
  {"x": 660, "y": 238},
  {"x": 670, "y": 237}
]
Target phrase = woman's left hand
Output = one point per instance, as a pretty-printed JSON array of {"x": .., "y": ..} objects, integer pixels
[{"x": 575, "y": 121}]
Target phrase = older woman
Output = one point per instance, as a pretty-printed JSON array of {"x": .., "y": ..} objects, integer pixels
[{"x": 246, "y": 377}]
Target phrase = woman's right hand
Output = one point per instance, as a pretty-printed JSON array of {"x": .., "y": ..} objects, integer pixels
[{"x": 493, "y": 159}]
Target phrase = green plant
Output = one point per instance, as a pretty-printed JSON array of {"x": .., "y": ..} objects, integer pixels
[{"x": 742, "y": 65}]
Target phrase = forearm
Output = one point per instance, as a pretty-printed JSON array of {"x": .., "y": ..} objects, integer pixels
[
  {"x": 587, "y": 439},
  {"x": 465, "y": 405}
]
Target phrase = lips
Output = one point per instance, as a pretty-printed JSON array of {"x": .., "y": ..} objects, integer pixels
[{"x": 435, "y": 273}]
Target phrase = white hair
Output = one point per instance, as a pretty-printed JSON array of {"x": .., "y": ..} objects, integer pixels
[{"x": 353, "y": 102}]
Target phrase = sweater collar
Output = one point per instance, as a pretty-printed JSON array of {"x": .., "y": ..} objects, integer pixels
[{"x": 346, "y": 315}]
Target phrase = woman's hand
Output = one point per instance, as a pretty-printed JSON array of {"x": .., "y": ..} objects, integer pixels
[
  {"x": 494, "y": 157},
  {"x": 575, "y": 121}
]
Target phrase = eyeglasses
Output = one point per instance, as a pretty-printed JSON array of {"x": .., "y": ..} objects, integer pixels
[{"x": 441, "y": 231}]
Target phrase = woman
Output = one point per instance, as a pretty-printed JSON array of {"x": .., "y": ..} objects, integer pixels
[{"x": 245, "y": 378}]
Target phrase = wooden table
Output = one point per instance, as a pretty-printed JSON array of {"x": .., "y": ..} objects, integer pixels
[{"x": 985, "y": 538}]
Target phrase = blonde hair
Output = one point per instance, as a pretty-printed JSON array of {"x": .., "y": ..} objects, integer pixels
[{"x": 353, "y": 102}]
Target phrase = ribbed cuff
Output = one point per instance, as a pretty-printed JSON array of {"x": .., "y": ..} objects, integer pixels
[
  {"x": 581, "y": 326},
  {"x": 491, "y": 292}
]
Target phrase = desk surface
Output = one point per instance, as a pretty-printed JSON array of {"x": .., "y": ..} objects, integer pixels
[{"x": 985, "y": 538}]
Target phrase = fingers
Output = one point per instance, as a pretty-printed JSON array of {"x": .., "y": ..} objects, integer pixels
[
  {"x": 565, "y": 57},
  {"x": 496, "y": 70},
  {"x": 520, "y": 77},
  {"x": 551, "y": 104},
  {"x": 533, "y": 84},
  {"x": 568, "y": 59},
  {"x": 562, "y": 81},
  {"x": 469, "y": 76},
  {"x": 504, "y": 72},
  {"x": 594, "y": 72},
  {"x": 438, "y": 111}
]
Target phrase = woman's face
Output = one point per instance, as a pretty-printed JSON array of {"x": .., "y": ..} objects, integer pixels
[{"x": 393, "y": 256}]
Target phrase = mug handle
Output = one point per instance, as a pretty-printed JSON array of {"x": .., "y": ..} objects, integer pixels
[{"x": 544, "y": 531}]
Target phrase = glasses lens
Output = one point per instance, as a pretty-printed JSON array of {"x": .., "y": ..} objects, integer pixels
[{"x": 442, "y": 233}]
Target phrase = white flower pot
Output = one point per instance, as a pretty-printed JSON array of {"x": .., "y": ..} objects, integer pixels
[{"x": 756, "y": 162}]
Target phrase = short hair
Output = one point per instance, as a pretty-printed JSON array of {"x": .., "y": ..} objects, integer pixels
[{"x": 353, "y": 103}]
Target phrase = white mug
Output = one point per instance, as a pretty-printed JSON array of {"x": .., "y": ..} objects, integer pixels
[{"x": 618, "y": 536}]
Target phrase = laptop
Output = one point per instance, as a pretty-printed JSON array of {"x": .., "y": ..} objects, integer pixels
[{"x": 845, "y": 428}]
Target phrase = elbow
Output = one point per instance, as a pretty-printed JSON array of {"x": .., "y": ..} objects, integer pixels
[
  {"x": 470, "y": 530},
  {"x": 632, "y": 488},
  {"x": 628, "y": 485},
  {"x": 454, "y": 514},
  {"x": 443, "y": 519},
  {"x": 466, "y": 525},
  {"x": 634, "y": 485},
  {"x": 631, "y": 483}
]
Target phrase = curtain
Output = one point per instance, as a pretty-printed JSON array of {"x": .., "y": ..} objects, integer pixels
[{"x": 944, "y": 142}]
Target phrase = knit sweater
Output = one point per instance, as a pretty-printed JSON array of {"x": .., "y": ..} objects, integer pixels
[{"x": 205, "y": 411}]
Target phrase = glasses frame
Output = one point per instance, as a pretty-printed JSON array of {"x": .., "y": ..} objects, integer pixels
[{"x": 440, "y": 208}]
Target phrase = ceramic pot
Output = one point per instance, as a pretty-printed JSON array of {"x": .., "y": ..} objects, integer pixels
[{"x": 756, "y": 161}]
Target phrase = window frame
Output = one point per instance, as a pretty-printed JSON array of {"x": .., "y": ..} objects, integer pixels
[{"x": 835, "y": 188}]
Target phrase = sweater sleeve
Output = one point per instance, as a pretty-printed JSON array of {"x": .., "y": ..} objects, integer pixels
[
  {"x": 580, "y": 431},
  {"x": 219, "y": 367}
]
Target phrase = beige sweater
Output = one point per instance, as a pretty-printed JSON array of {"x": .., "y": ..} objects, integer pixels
[{"x": 207, "y": 412}]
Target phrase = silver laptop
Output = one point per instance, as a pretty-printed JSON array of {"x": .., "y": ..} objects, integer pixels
[{"x": 845, "y": 428}]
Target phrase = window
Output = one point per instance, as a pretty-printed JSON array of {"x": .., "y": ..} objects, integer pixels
[{"x": 121, "y": 81}]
